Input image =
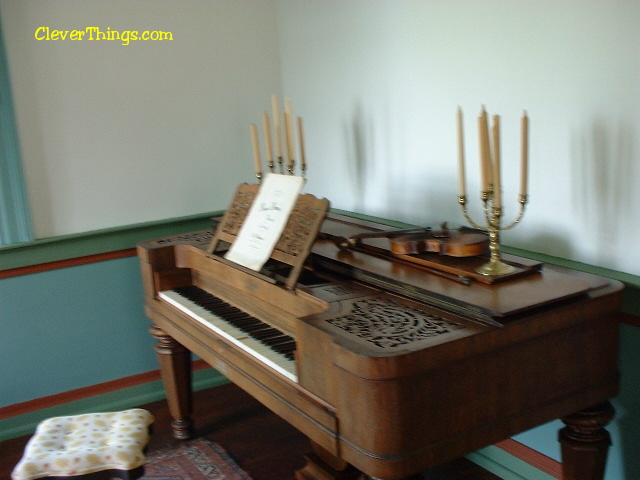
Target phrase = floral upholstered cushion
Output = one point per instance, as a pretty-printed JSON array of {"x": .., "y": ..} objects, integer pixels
[{"x": 81, "y": 444}]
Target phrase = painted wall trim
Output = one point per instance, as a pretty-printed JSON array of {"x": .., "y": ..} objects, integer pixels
[
  {"x": 532, "y": 457},
  {"x": 84, "y": 392},
  {"x": 508, "y": 467},
  {"x": 66, "y": 247},
  {"x": 72, "y": 262},
  {"x": 21, "y": 419}
]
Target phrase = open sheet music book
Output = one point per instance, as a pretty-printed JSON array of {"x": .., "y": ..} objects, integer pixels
[
  {"x": 272, "y": 221},
  {"x": 266, "y": 220}
]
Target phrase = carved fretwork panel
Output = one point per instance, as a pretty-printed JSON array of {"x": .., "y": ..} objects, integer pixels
[
  {"x": 238, "y": 209},
  {"x": 305, "y": 217},
  {"x": 198, "y": 239},
  {"x": 388, "y": 324}
]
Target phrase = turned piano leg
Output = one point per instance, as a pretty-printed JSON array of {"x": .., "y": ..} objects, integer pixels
[
  {"x": 585, "y": 443},
  {"x": 175, "y": 369}
]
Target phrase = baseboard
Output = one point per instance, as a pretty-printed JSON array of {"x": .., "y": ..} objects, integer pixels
[
  {"x": 526, "y": 464},
  {"x": 532, "y": 457},
  {"x": 24, "y": 423}
]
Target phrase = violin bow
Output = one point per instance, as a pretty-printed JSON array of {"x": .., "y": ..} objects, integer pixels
[{"x": 343, "y": 243}]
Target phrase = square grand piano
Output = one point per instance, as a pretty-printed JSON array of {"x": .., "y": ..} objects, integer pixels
[{"x": 389, "y": 367}]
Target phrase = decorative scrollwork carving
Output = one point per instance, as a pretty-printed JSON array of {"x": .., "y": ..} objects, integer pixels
[
  {"x": 191, "y": 238},
  {"x": 301, "y": 222},
  {"x": 388, "y": 324},
  {"x": 238, "y": 211}
]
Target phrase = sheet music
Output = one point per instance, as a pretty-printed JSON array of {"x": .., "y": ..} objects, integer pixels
[{"x": 265, "y": 221}]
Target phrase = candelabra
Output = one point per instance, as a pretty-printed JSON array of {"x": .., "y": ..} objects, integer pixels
[
  {"x": 491, "y": 190},
  {"x": 289, "y": 142},
  {"x": 493, "y": 216}
]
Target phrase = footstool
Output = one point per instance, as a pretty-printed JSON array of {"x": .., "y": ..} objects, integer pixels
[{"x": 92, "y": 445}]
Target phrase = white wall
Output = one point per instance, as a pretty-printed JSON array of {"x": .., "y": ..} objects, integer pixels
[
  {"x": 379, "y": 83},
  {"x": 115, "y": 134}
]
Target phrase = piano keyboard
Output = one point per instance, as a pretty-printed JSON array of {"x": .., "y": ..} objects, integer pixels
[{"x": 265, "y": 343}]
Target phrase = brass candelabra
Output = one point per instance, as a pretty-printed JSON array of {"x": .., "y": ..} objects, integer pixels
[
  {"x": 491, "y": 189},
  {"x": 492, "y": 217},
  {"x": 280, "y": 130}
]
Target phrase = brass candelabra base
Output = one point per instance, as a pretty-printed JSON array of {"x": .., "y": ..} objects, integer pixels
[{"x": 495, "y": 266}]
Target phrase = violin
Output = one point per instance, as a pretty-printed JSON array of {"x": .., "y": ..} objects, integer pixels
[{"x": 455, "y": 242}]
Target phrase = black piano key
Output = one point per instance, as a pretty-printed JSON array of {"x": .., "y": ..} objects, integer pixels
[
  {"x": 261, "y": 330},
  {"x": 266, "y": 335},
  {"x": 284, "y": 346},
  {"x": 287, "y": 352},
  {"x": 278, "y": 342},
  {"x": 269, "y": 336},
  {"x": 248, "y": 322}
]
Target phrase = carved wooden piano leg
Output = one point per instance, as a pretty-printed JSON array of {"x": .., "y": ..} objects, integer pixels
[
  {"x": 175, "y": 368},
  {"x": 585, "y": 443}
]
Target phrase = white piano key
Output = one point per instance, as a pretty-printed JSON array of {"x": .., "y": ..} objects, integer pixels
[{"x": 238, "y": 337}]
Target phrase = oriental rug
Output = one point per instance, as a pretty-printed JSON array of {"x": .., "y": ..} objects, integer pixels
[{"x": 198, "y": 459}]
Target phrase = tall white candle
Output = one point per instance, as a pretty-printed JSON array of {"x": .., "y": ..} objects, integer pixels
[
  {"x": 266, "y": 125},
  {"x": 524, "y": 162},
  {"x": 303, "y": 157},
  {"x": 497, "y": 186},
  {"x": 289, "y": 138},
  {"x": 288, "y": 124},
  {"x": 276, "y": 125},
  {"x": 461, "y": 172},
  {"x": 485, "y": 151},
  {"x": 256, "y": 150}
]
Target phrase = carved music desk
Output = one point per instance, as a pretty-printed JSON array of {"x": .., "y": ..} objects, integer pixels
[{"x": 388, "y": 367}]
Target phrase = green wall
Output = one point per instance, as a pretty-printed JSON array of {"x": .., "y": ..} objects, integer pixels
[
  {"x": 74, "y": 327},
  {"x": 71, "y": 328}
]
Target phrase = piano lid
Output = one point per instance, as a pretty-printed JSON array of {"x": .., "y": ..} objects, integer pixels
[{"x": 489, "y": 303}]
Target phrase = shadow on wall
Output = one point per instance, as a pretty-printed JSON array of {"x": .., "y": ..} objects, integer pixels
[
  {"x": 605, "y": 175},
  {"x": 359, "y": 157},
  {"x": 378, "y": 163},
  {"x": 372, "y": 148}
]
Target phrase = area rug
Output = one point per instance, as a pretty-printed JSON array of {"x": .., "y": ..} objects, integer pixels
[{"x": 198, "y": 459}]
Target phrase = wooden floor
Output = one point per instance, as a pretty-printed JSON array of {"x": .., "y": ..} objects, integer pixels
[{"x": 261, "y": 443}]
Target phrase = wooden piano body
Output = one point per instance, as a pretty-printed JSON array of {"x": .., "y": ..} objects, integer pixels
[{"x": 397, "y": 369}]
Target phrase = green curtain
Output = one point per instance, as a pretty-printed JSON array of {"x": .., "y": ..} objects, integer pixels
[{"x": 15, "y": 218}]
